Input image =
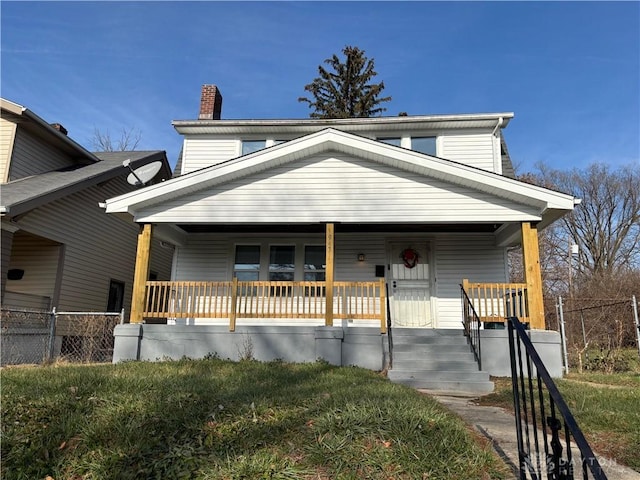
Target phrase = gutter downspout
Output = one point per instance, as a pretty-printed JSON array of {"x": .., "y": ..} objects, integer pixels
[
  {"x": 497, "y": 160},
  {"x": 498, "y": 125}
]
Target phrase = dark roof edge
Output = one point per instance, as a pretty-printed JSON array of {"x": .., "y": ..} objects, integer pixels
[
  {"x": 66, "y": 190},
  {"x": 55, "y": 133},
  {"x": 346, "y": 121}
]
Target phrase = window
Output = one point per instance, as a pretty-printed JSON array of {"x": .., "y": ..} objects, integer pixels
[
  {"x": 281, "y": 266},
  {"x": 247, "y": 263},
  {"x": 391, "y": 141},
  {"x": 116, "y": 296},
  {"x": 282, "y": 262},
  {"x": 250, "y": 146},
  {"x": 314, "y": 263},
  {"x": 424, "y": 144}
]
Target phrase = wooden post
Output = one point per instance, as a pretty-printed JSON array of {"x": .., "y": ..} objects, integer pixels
[
  {"x": 234, "y": 304},
  {"x": 532, "y": 275},
  {"x": 330, "y": 247},
  {"x": 141, "y": 274},
  {"x": 383, "y": 307}
]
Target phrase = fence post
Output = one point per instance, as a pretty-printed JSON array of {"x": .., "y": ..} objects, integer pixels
[
  {"x": 564, "y": 337},
  {"x": 52, "y": 334},
  {"x": 634, "y": 303},
  {"x": 122, "y": 316}
]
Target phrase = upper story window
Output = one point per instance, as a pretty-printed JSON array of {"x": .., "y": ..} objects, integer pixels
[
  {"x": 424, "y": 145},
  {"x": 391, "y": 141},
  {"x": 250, "y": 146}
]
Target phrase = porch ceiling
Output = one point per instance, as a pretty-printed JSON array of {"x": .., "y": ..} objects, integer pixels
[{"x": 342, "y": 228}]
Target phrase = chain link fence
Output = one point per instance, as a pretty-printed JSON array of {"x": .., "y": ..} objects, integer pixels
[
  {"x": 596, "y": 331},
  {"x": 37, "y": 336}
]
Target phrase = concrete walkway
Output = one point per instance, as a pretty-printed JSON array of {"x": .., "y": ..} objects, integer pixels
[{"x": 498, "y": 426}]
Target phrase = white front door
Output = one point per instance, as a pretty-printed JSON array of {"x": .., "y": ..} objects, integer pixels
[{"x": 410, "y": 284}]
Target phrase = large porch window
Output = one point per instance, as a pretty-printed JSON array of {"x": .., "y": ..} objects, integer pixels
[
  {"x": 247, "y": 263},
  {"x": 284, "y": 263},
  {"x": 314, "y": 263}
]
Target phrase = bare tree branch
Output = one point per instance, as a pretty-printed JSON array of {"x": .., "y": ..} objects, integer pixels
[{"x": 127, "y": 141}]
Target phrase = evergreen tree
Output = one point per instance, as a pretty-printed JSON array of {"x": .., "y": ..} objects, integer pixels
[{"x": 346, "y": 92}]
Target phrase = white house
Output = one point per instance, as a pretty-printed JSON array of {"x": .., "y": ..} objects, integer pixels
[{"x": 267, "y": 216}]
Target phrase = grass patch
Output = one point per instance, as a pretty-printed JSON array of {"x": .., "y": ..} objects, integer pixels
[
  {"x": 214, "y": 419},
  {"x": 606, "y": 407}
]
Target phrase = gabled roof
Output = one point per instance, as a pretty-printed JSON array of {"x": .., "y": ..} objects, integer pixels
[
  {"x": 549, "y": 203},
  {"x": 28, "y": 193},
  {"x": 39, "y": 127}
]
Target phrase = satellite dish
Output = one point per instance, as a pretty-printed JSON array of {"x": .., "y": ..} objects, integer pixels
[{"x": 141, "y": 175}]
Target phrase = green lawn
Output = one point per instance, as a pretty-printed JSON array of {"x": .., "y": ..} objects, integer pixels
[
  {"x": 606, "y": 407},
  {"x": 213, "y": 419}
]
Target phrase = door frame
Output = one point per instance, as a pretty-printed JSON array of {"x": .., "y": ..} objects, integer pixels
[{"x": 422, "y": 242}]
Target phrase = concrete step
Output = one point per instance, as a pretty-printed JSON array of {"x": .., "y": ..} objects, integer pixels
[
  {"x": 434, "y": 365},
  {"x": 427, "y": 356},
  {"x": 430, "y": 340},
  {"x": 439, "y": 360},
  {"x": 426, "y": 332},
  {"x": 440, "y": 375},
  {"x": 451, "y": 387},
  {"x": 419, "y": 349}
]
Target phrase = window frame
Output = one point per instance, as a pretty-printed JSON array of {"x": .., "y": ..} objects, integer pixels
[
  {"x": 247, "y": 141},
  {"x": 434, "y": 138}
]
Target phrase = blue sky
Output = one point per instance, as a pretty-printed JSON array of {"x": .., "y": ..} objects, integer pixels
[{"x": 569, "y": 70}]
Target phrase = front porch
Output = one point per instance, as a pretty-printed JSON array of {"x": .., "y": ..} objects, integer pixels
[
  {"x": 343, "y": 322},
  {"x": 305, "y": 303},
  {"x": 381, "y": 293}
]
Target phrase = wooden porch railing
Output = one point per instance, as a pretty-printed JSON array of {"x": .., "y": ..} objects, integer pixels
[
  {"x": 283, "y": 300},
  {"x": 495, "y": 302}
]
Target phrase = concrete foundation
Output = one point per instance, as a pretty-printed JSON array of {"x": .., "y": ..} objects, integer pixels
[
  {"x": 359, "y": 346},
  {"x": 495, "y": 351}
]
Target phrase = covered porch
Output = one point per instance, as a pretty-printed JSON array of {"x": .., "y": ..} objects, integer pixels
[{"x": 357, "y": 300}]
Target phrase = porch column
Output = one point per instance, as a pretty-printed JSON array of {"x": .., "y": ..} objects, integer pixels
[
  {"x": 141, "y": 273},
  {"x": 532, "y": 274},
  {"x": 330, "y": 247}
]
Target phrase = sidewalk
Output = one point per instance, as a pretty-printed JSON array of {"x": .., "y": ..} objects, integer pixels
[{"x": 498, "y": 426}]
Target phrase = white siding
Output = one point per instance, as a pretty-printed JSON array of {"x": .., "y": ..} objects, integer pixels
[
  {"x": 348, "y": 268},
  {"x": 7, "y": 133},
  {"x": 476, "y": 150},
  {"x": 204, "y": 258},
  {"x": 474, "y": 257},
  {"x": 38, "y": 258},
  {"x": 5, "y": 248},
  {"x": 32, "y": 156},
  {"x": 98, "y": 247},
  {"x": 337, "y": 188},
  {"x": 203, "y": 152}
]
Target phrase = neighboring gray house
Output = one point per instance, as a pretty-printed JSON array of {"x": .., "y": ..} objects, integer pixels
[
  {"x": 59, "y": 249},
  {"x": 269, "y": 216}
]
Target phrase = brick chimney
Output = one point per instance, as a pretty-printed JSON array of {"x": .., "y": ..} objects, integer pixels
[
  {"x": 60, "y": 128},
  {"x": 210, "y": 103}
]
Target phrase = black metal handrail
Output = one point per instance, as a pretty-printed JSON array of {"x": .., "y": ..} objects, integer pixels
[
  {"x": 471, "y": 322},
  {"x": 389, "y": 335},
  {"x": 538, "y": 428}
]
